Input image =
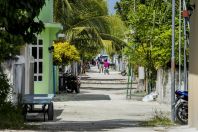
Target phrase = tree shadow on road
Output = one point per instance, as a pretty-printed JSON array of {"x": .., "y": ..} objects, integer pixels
[
  {"x": 106, "y": 79},
  {"x": 84, "y": 77},
  {"x": 39, "y": 117},
  {"x": 90, "y": 125},
  {"x": 82, "y": 97},
  {"x": 105, "y": 88}
]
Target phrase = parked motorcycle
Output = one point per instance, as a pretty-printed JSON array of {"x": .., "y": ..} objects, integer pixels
[
  {"x": 72, "y": 83},
  {"x": 181, "y": 109}
]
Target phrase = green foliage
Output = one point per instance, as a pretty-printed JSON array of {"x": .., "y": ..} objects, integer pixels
[
  {"x": 86, "y": 40},
  {"x": 17, "y": 18},
  {"x": 4, "y": 88},
  {"x": 70, "y": 13},
  {"x": 86, "y": 23},
  {"x": 89, "y": 9},
  {"x": 88, "y": 56},
  {"x": 150, "y": 43},
  {"x": 150, "y": 37},
  {"x": 18, "y": 25},
  {"x": 64, "y": 53},
  {"x": 11, "y": 116},
  {"x": 108, "y": 47}
]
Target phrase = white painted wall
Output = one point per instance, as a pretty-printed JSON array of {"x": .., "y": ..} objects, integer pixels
[
  {"x": 15, "y": 71},
  {"x": 29, "y": 69},
  {"x": 163, "y": 85}
]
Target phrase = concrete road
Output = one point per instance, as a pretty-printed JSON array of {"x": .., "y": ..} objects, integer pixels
[{"x": 102, "y": 106}]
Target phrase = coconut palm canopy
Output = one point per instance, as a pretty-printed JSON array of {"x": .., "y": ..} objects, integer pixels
[{"x": 86, "y": 24}]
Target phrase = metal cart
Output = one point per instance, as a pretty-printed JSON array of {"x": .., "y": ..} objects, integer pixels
[{"x": 43, "y": 100}]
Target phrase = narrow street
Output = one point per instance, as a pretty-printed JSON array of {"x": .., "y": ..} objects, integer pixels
[
  {"x": 46, "y": 44},
  {"x": 100, "y": 106}
]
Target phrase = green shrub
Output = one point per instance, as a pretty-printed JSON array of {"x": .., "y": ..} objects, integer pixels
[
  {"x": 4, "y": 88},
  {"x": 11, "y": 116},
  {"x": 64, "y": 53}
]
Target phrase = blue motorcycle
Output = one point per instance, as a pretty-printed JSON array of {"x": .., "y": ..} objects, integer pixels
[{"x": 181, "y": 109}]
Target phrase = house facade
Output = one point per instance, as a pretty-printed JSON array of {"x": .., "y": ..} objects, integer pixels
[{"x": 44, "y": 77}]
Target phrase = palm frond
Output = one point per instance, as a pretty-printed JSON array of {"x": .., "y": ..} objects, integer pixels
[
  {"x": 89, "y": 8},
  {"x": 105, "y": 24},
  {"x": 88, "y": 33},
  {"x": 88, "y": 26},
  {"x": 85, "y": 39},
  {"x": 63, "y": 13},
  {"x": 108, "y": 46},
  {"x": 117, "y": 43}
]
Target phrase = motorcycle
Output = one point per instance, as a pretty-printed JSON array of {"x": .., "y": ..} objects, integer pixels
[
  {"x": 72, "y": 83},
  {"x": 181, "y": 109}
]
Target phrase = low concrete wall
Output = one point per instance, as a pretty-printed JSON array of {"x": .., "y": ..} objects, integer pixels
[
  {"x": 15, "y": 71},
  {"x": 163, "y": 85}
]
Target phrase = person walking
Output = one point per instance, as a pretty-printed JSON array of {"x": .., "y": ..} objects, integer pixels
[
  {"x": 100, "y": 64},
  {"x": 106, "y": 67}
]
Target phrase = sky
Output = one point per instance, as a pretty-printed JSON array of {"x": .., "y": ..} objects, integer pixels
[{"x": 111, "y": 4}]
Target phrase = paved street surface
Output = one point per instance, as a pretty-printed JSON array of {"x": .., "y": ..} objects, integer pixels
[{"x": 102, "y": 106}]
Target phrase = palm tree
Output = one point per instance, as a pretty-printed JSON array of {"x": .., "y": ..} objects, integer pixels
[{"x": 87, "y": 24}]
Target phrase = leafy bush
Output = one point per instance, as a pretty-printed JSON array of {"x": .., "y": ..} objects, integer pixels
[
  {"x": 64, "y": 53},
  {"x": 11, "y": 116},
  {"x": 4, "y": 88}
]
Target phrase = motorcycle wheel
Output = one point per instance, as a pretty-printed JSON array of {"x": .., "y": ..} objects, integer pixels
[
  {"x": 70, "y": 88},
  {"x": 77, "y": 89},
  {"x": 182, "y": 112}
]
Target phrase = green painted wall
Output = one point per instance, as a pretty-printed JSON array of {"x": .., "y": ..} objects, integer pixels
[
  {"x": 46, "y": 15},
  {"x": 42, "y": 87},
  {"x": 48, "y": 36}
]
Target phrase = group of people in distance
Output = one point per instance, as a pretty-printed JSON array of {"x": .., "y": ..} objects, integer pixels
[{"x": 103, "y": 65}]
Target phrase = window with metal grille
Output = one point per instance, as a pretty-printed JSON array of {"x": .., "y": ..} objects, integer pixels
[{"x": 36, "y": 50}]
